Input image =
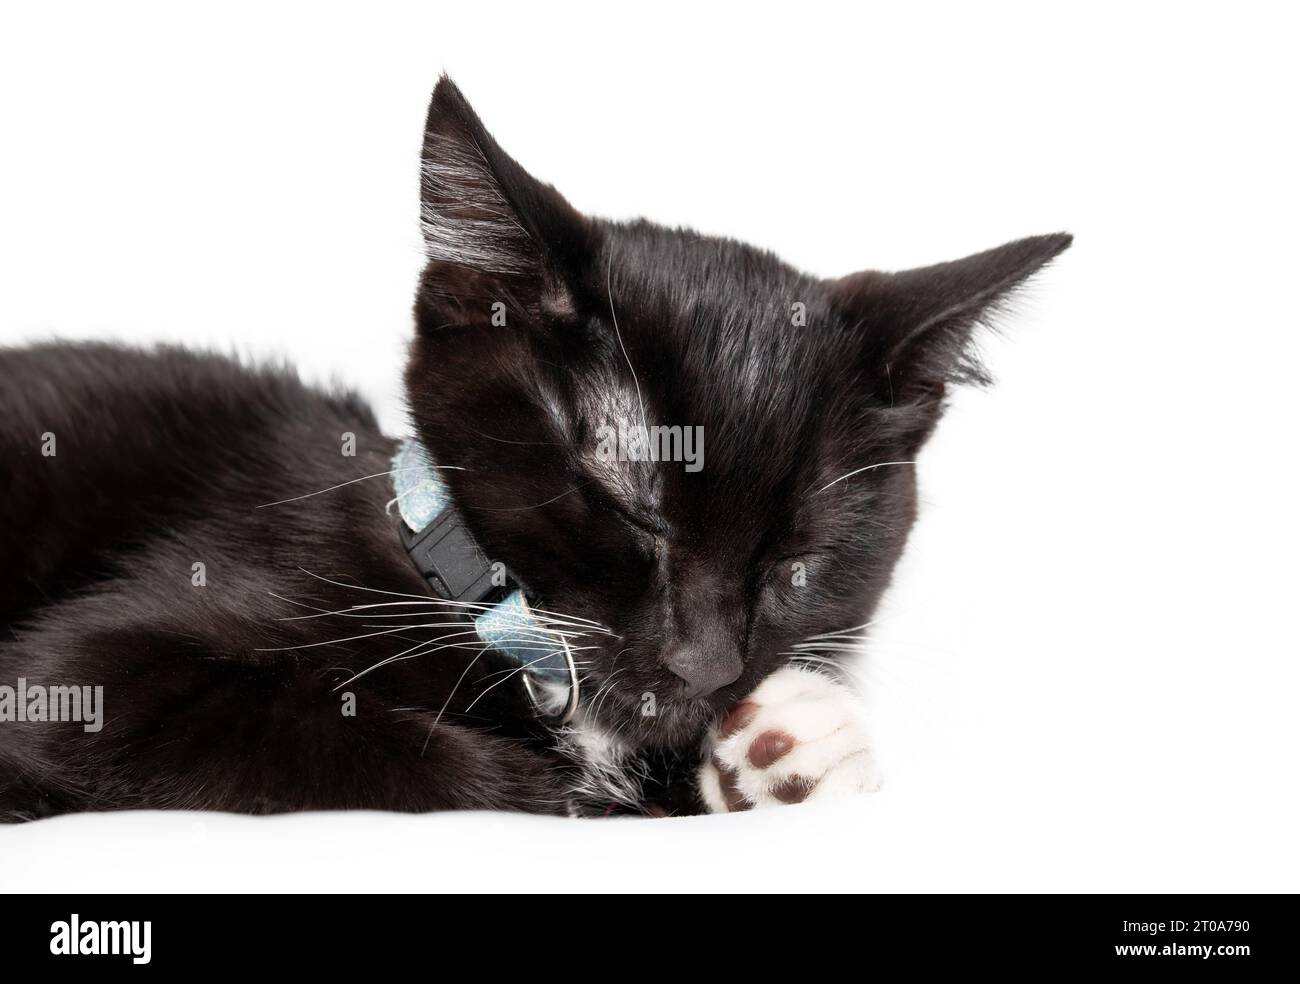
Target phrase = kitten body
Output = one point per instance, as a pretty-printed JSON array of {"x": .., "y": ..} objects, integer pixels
[{"x": 214, "y": 545}]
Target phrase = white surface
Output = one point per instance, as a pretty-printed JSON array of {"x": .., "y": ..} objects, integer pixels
[{"x": 1086, "y": 674}]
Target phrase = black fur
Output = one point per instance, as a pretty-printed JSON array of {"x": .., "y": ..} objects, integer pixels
[{"x": 169, "y": 458}]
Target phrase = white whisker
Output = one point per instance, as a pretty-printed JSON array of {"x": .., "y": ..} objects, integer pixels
[
  {"x": 354, "y": 481},
  {"x": 844, "y": 640},
  {"x": 447, "y": 702},
  {"x": 410, "y": 654},
  {"x": 609, "y": 292},
  {"x": 838, "y": 632},
  {"x": 859, "y": 471},
  {"x": 427, "y": 599},
  {"x": 510, "y": 675},
  {"x": 834, "y": 648},
  {"x": 330, "y": 642}
]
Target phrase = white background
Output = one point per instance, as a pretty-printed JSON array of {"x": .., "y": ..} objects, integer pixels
[{"x": 1085, "y": 677}]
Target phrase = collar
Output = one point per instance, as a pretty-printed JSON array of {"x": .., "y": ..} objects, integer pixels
[{"x": 456, "y": 570}]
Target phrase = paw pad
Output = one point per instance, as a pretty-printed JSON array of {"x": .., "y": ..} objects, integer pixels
[
  {"x": 796, "y": 737},
  {"x": 768, "y": 747}
]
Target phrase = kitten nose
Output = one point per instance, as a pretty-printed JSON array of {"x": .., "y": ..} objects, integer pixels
[{"x": 703, "y": 671}]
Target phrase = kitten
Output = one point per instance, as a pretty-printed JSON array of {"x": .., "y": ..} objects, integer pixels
[{"x": 691, "y": 460}]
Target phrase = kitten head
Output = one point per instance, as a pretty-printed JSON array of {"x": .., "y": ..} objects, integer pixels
[{"x": 676, "y": 435}]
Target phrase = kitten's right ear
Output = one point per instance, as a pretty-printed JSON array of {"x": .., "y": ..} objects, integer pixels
[{"x": 492, "y": 233}]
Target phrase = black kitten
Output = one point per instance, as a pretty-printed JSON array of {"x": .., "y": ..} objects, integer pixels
[{"x": 693, "y": 456}]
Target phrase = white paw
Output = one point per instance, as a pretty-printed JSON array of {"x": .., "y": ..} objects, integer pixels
[{"x": 797, "y": 737}]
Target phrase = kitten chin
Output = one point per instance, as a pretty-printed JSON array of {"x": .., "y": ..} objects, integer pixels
[{"x": 667, "y": 724}]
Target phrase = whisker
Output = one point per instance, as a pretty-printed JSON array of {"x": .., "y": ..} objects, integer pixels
[
  {"x": 447, "y": 702},
  {"x": 530, "y": 444},
  {"x": 837, "y": 632},
  {"x": 299, "y": 604},
  {"x": 604, "y": 692},
  {"x": 543, "y": 633},
  {"x": 358, "y": 587},
  {"x": 398, "y": 628},
  {"x": 580, "y": 485},
  {"x": 481, "y": 646},
  {"x": 359, "y": 611},
  {"x": 835, "y": 648},
  {"x": 518, "y": 669},
  {"x": 426, "y": 599},
  {"x": 555, "y": 627},
  {"x": 363, "y": 478},
  {"x": 805, "y": 658},
  {"x": 579, "y": 664},
  {"x": 859, "y": 471},
  {"x": 331, "y": 642},
  {"x": 823, "y": 666},
  {"x": 834, "y": 640},
  {"x": 409, "y": 654},
  {"x": 609, "y": 292}
]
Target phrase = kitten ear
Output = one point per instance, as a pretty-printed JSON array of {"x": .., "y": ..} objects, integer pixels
[
  {"x": 491, "y": 231},
  {"x": 918, "y": 323}
]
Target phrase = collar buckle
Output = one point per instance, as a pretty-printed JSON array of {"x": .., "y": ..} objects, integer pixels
[{"x": 448, "y": 558}]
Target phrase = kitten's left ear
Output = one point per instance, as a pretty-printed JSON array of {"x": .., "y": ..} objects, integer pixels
[
  {"x": 492, "y": 232},
  {"x": 917, "y": 324}
]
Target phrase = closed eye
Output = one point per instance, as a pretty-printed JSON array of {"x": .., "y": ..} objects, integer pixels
[{"x": 642, "y": 526}]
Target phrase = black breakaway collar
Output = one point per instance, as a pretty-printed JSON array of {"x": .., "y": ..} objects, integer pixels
[{"x": 457, "y": 571}]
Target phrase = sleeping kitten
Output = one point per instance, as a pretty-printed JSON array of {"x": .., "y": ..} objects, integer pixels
[{"x": 686, "y": 462}]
